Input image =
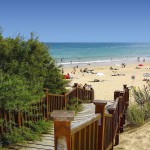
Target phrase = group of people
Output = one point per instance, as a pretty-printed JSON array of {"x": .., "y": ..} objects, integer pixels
[
  {"x": 138, "y": 59},
  {"x": 87, "y": 87},
  {"x": 123, "y": 65}
]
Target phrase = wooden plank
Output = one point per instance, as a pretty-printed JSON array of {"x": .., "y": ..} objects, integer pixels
[
  {"x": 79, "y": 139},
  {"x": 100, "y": 108},
  {"x": 96, "y": 134},
  {"x": 85, "y": 124},
  {"x": 94, "y": 138},
  {"x": 85, "y": 137},
  {"x": 89, "y": 137},
  {"x": 73, "y": 142}
]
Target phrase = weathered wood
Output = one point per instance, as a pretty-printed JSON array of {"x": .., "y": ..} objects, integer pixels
[
  {"x": 62, "y": 132},
  {"x": 62, "y": 128},
  {"x": 114, "y": 110},
  {"x": 81, "y": 126},
  {"x": 100, "y": 108}
]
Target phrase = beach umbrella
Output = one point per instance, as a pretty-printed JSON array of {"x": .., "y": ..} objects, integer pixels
[{"x": 140, "y": 65}]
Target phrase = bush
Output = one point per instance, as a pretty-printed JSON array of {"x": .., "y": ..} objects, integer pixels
[
  {"x": 140, "y": 111},
  {"x": 146, "y": 109},
  {"x": 22, "y": 134},
  {"x": 142, "y": 96},
  {"x": 75, "y": 105},
  {"x": 135, "y": 115}
]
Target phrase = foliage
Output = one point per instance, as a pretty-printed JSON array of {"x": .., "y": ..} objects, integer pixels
[
  {"x": 135, "y": 115},
  {"x": 140, "y": 111},
  {"x": 31, "y": 60},
  {"x": 19, "y": 135},
  {"x": 142, "y": 96},
  {"x": 75, "y": 105},
  {"x": 26, "y": 67},
  {"x": 16, "y": 94}
]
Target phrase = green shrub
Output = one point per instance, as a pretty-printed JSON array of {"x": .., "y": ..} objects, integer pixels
[
  {"x": 135, "y": 115},
  {"x": 146, "y": 109},
  {"x": 41, "y": 127},
  {"x": 75, "y": 105},
  {"x": 140, "y": 111},
  {"x": 142, "y": 96},
  {"x": 22, "y": 134}
]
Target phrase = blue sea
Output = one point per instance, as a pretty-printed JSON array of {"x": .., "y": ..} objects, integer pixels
[{"x": 98, "y": 53}]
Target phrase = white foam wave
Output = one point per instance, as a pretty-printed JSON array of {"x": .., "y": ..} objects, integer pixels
[{"x": 88, "y": 62}]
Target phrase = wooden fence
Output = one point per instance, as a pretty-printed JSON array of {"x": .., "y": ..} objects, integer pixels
[
  {"x": 100, "y": 132},
  {"x": 42, "y": 109}
]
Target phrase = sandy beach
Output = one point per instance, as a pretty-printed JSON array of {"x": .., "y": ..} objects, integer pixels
[{"x": 109, "y": 81}]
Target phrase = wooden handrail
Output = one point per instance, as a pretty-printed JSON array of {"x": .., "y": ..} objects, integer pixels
[
  {"x": 70, "y": 91},
  {"x": 86, "y": 122}
]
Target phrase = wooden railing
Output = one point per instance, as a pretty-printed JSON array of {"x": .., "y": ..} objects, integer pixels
[
  {"x": 42, "y": 109},
  {"x": 99, "y": 132},
  {"x": 84, "y": 136},
  {"x": 108, "y": 131}
]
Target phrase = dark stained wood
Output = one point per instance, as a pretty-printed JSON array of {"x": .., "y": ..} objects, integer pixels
[
  {"x": 100, "y": 108},
  {"x": 85, "y": 138},
  {"x": 79, "y": 139}
]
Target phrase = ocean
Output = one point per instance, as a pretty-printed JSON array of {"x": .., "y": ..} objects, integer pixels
[{"x": 98, "y": 53}]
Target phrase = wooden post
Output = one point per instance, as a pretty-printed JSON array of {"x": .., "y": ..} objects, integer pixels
[
  {"x": 76, "y": 86},
  {"x": 100, "y": 108},
  {"x": 62, "y": 128},
  {"x": 19, "y": 119},
  {"x": 47, "y": 106},
  {"x": 116, "y": 94},
  {"x": 126, "y": 90},
  {"x": 46, "y": 103},
  {"x": 111, "y": 111},
  {"x": 65, "y": 99},
  {"x": 92, "y": 95},
  {"x": 120, "y": 109}
]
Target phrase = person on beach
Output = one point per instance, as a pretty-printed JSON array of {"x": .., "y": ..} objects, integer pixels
[
  {"x": 62, "y": 70},
  {"x": 68, "y": 75},
  {"x": 138, "y": 59},
  {"x": 74, "y": 69},
  {"x": 123, "y": 65}
]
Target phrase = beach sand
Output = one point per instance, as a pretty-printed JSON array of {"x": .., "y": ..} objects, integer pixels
[
  {"x": 104, "y": 89},
  {"x": 136, "y": 139}
]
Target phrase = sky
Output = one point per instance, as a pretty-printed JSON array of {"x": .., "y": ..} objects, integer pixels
[{"x": 77, "y": 20}]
